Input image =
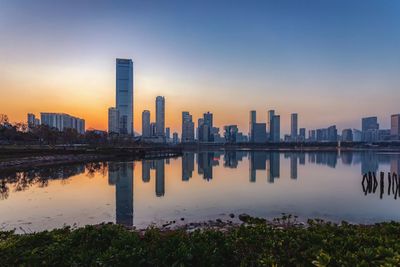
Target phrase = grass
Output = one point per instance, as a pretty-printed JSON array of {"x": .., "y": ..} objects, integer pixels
[{"x": 252, "y": 244}]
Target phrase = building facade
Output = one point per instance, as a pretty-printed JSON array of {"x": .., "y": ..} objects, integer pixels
[
  {"x": 113, "y": 121},
  {"x": 395, "y": 127},
  {"x": 124, "y": 95},
  {"x": 62, "y": 121},
  {"x": 187, "y": 127},
  {"x": 146, "y": 128},
  {"x": 160, "y": 116},
  {"x": 293, "y": 126}
]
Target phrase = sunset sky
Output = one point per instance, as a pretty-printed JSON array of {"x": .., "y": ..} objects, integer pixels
[{"x": 332, "y": 62}]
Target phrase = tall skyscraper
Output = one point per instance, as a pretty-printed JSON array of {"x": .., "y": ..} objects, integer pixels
[
  {"x": 252, "y": 120},
  {"x": 271, "y": 114},
  {"x": 146, "y": 128},
  {"x": 187, "y": 127},
  {"x": 205, "y": 127},
  {"x": 160, "y": 116},
  {"x": 259, "y": 133},
  {"x": 124, "y": 95},
  {"x": 395, "y": 127},
  {"x": 113, "y": 120},
  {"x": 275, "y": 128},
  {"x": 293, "y": 126},
  {"x": 370, "y": 129}
]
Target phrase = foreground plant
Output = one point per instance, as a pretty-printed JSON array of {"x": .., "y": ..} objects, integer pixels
[{"x": 255, "y": 243}]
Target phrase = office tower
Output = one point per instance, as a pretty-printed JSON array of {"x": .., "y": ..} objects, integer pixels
[
  {"x": 63, "y": 121},
  {"x": 271, "y": 114},
  {"x": 187, "y": 127},
  {"x": 302, "y": 134},
  {"x": 259, "y": 133},
  {"x": 167, "y": 133},
  {"x": 31, "y": 120},
  {"x": 312, "y": 135},
  {"x": 293, "y": 126},
  {"x": 369, "y": 123},
  {"x": 208, "y": 121},
  {"x": 124, "y": 95},
  {"x": 252, "y": 120},
  {"x": 113, "y": 120},
  {"x": 347, "y": 135},
  {"x": 175, "y": 138},
  {"x": 357, "y": 135},
  {"x": 146, "y": 128},
  {"x": 152, "y": 129},
  {"x": 332, "y": 133},
  {"x": 275, "y": 128},
  {"x": 230, "y": 134},
  {"x": 121, "y": 174},
  {"x": 395, "y": 127},
  {"x": 160, "y": 177},
  {"x": 160, "y": 116}
]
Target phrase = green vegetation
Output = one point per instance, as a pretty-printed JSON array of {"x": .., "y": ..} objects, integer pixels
[{"x": 252, "y": 244}]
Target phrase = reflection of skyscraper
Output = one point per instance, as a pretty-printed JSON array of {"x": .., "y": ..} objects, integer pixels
[
  {"x": 302, "y": 158},
  {"x": 369, "y": 162},
  {"x": 146, "y": 165},
  {"x": 293, "y": 166},
  {"x": 274, "y": 166},
  {"x": 347, "y": 157},
  {"x": 121, "y": 174},
  {"x": 205, "y": 164},
  {"x": 187, "y": 165},
  {"x": 395, "y": 164},
  {"x": 160, "y": 177},
  {"x": 258, "y": 161}
]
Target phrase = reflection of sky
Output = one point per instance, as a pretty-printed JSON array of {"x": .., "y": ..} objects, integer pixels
[
  {"x": 326, "y": 185},
  {"x": 197, "y": 54}
]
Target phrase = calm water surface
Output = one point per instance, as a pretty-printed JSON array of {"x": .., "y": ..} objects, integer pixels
[{"x": 199, "y": 187}]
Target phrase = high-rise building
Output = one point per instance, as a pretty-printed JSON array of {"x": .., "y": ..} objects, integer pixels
[
  {"x": 63, "y": 121},
  {"x": 332, "y": 133},
  {"x": 160, "y": 116},
  {"x": 357, "y": 135},
  {"x": 124, "y": 95},
  {"x": 312, "y": 135},
  {"x": 231, "y": 133},
  {"x": 271, "y": 114},
  {"x": 187, "y": 127},
  {"x": 293, "y": 126},
  {"x": 252, "y": 120},
  {"x": 175, "y": 138},
  {"x": 395, "y": 127},
  {"x": 275, "y": 134},
  {"x": 370, "y": 129},
  {"x": 153, "y": 129},
  {"x": 205, "y": 127},
  {"x": 259, "y": 133},
  {"x": 167, "y": 133},
  {"x": 31, "y": 120},
  {"x": 146, "y": 128},
  {"x": 113, "y": 120},
  {"x": 347, "y": 135},
  {"x": 302, "y": 134}
]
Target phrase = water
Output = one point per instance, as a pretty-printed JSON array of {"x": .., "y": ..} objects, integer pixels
[{"x": 199, "y": 187}]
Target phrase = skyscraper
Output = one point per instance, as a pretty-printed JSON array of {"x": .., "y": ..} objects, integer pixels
[
  {"x": 124, "y": 95},
  {"x": 293, "y": 126},
  {"x": 252, "y": 120},
  {"x": 167, "y": 133},
  {"x": 113, "y": 120},
  {"x": 146, "y": 129},
  {"x": 271, "y": 114},
  {"x": 302, "y": 134},
  {"x": 187, "y": 127},
  {"x": 160, "y": 116},
  {"x": 370, "y": 129},
  {"x": 275, "y": 128},
  {"x": 395, "y": 127}
]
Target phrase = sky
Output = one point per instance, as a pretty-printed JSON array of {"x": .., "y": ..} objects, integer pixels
[{"x": 332, "y": 62}]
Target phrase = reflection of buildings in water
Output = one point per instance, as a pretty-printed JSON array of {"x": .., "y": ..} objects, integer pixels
[
  {"x": 395, "y": 164},
  {"x": 323, "y": 158},
  {"x": 167, "y": 161},
  {"x": 160, "y": 177},
  {"x": 258, "y": 161},
  {"x": 232, "y": 158},
  {"x": 369, "y": 162},
  {"x": 347, "y": 157},
  {"x": 121, "y": 174},
  {"x": 146, "y": 165},
  {"x": 293, "y": 166},
  {"x": 273, "y": 170},
  {"x": 302, "y": 158},
  {"x": 205, "y": 163},
  {"x": 187, "y": 165}
]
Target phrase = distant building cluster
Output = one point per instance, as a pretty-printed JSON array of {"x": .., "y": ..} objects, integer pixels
[{"x": 60, "y": 121}]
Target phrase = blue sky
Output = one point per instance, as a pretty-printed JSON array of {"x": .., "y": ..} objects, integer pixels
[{"x": 331, "y": 61}]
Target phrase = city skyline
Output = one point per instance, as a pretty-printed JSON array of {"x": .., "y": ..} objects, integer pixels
[{"x": 176, "y": 55}]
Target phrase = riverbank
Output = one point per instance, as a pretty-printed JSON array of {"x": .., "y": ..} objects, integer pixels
[{"x": 255, "y": 242}]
